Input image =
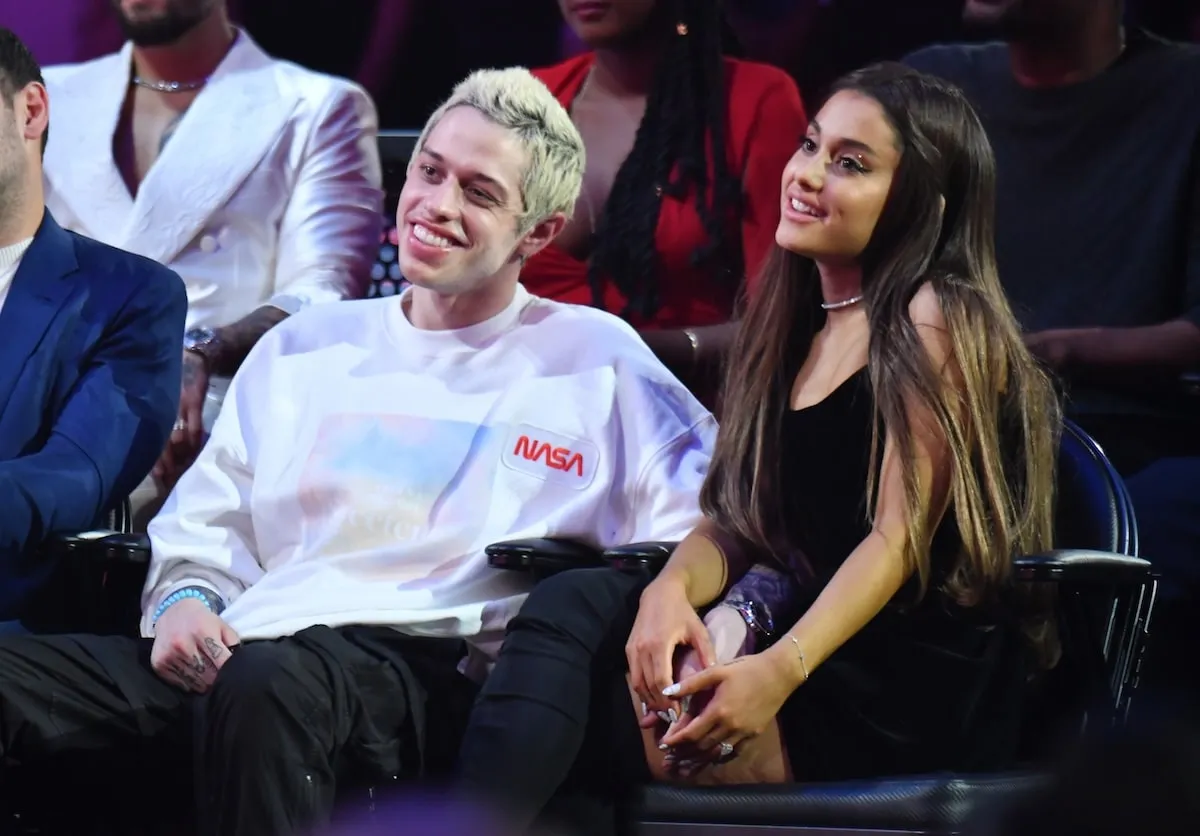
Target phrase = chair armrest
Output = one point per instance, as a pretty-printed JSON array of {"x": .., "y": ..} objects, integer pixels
[
  {"x": 638, "y": 557},
  {"x": 542, "y": 555},
  {"x": 1083, "y": 566},
  {"x": 104, "y": 546}
]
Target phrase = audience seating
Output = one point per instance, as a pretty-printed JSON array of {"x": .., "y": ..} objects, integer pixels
[
  {"x": 395, "y": 150},
  {"x": 1106, "y": 598}
]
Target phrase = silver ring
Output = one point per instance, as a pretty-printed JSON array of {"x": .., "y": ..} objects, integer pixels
[
  {"x": 180, "y": 424},
  {"x": 724, "y": 752}
]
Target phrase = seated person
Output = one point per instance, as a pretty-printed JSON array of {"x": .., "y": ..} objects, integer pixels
[
  {"x": 89, "y": 357},
  {"x": 258, "y": 181},
  {"x": 887, "y": 441},
  {"x": 661, "y": 235},
  {"x": 1089, "y": 120},
  {"x": 316, "y": 572}
]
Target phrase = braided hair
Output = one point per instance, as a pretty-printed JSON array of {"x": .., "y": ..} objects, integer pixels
[{"x": 684, "y": 118}]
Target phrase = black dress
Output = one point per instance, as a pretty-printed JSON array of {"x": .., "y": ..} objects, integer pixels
[{"x": 926, "y": 685}]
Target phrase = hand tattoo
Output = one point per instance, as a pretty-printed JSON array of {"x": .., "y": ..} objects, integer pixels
[
  {"x": 214, "y": 648},
  {"x": 185, "y": 676},
  {"x": 198, "y": 664}
]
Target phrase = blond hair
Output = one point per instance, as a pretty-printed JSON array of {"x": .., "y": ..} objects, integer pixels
[{"x": 514, "y": 99}]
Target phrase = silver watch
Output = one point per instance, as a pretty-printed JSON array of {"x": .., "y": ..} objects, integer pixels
[{"x": 203, "y": 341}]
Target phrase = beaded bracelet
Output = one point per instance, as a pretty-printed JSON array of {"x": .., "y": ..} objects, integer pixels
[{"x": 205, "y": 596}]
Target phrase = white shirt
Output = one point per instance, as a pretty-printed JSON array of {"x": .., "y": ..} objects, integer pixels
[
  {"x": 10, "y": 260},
  {"x": 361, "y": 466}
]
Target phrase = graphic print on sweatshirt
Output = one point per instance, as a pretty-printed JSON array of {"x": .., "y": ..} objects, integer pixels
[{"x": 375, "y": 483}]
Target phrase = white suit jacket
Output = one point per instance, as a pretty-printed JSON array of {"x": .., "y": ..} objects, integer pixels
[{"x": 269, "y": 192}]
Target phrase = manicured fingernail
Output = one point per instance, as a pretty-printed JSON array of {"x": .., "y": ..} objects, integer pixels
[
  {"x": 671, "y": 690},
  {"x": 662, "y": 747},
  {"x": 643, "y": 709},
  {"x": 685, "y": 704},
  {"x": 664, "y": 716},
  {"x": 674, "y": 718}
]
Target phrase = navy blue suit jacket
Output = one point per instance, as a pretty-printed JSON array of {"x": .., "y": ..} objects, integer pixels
[{"x": 90, "y": 352}]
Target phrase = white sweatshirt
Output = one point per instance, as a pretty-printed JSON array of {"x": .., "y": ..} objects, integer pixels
[{"x": 361, "y": 465}]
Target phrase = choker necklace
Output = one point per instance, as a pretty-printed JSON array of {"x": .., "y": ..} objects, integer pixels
[
  {"x": 169, "y": 86},
  {"x": 845, "y": 303}
]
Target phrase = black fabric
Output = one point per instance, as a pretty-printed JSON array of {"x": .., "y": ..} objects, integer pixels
[
  {"x": 922, "y": 688},
  {"x": 287, "y": 722},
  {"x": 554, "y": 717},
  {"x": 1098, "y": 203},
  {"x": 925, "y": 685}
]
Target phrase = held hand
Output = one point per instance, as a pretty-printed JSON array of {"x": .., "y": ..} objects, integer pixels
[
  {"x": 665, "y": 621},
  {"x": 190, "y": 645},
  {"x": 730, "y": 639},
  {"x": 188, "y": 434},
  {"x": 746, "y": 695}
]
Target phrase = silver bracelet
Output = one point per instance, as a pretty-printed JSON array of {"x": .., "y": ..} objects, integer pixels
[{"x": 800, "y": 653}]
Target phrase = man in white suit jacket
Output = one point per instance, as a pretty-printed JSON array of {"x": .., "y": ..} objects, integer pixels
[{"x": 256, "y": 180}]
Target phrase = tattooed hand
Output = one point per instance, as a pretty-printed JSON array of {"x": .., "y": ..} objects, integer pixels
[
  {"x": 190, "y": 645},
  {"x": 188, "y": 436}
]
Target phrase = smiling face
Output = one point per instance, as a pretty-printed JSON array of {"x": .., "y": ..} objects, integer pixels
[
  {"x": 836, "y": 184},
  {"x": 460, "y": 210}
]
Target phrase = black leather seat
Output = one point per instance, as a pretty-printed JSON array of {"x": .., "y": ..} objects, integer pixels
[{"x": 1106, "y": 597}]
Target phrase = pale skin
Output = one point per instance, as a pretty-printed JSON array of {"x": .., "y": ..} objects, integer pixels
[
  {"x": 466, "y": 183},
  {"x": 843, "y": 170}
]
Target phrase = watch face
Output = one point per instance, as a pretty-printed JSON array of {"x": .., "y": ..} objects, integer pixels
[{"x": 198, "y": 337}]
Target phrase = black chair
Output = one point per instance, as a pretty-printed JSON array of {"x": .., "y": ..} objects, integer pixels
[{"x": 1106, "y": 596}]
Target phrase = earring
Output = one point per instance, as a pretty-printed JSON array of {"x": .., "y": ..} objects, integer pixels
[{"x": 681, "y": 29}]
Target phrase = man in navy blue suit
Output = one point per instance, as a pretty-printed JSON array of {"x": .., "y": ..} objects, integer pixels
[{"x": 89, "y": 355}]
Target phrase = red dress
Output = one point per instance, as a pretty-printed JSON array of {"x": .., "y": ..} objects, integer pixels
[{"x": 764, "y": 124}]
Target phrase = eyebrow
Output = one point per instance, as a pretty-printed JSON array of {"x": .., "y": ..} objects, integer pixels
[
  {"x": 473, "y": 175},
  {"x": 848, "y": 143}
]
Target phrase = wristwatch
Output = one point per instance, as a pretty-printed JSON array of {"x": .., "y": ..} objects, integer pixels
[
  {"x": 756, "y": 616},
  {"x": 203, "y": 341}
]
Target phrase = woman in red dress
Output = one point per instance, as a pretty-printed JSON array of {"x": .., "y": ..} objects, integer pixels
[{"x": 661, "y": 235}]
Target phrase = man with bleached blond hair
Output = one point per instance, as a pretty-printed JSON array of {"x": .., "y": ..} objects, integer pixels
[{"x": 318, "y": 597}]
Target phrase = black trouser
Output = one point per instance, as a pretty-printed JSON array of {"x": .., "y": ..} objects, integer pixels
[
  {"x": 285, "y": 722},
  {"x": 555, "y": 714}
]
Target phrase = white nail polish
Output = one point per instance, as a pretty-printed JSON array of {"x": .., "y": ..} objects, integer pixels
[
  {"x": 671, "y": 714},
  {"x": 664, "y": 716},
  {"x": 643, "y": 709},
  {"x": 671, "y": 690}
]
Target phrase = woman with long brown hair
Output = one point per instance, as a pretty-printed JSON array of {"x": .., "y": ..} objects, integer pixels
[{"x": 887, "y": 443}]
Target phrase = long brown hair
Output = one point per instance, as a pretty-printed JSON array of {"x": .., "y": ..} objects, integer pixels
[{"x": 1001, "y": 424}]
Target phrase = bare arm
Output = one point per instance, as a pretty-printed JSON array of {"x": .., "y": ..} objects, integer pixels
[{"x": 704, "y": 563}]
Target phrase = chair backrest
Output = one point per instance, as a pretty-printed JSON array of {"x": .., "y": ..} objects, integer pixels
[
  {"x": 1103, "y": 626},
  {"x": 1094, "y": 510},
  {"x": 395, "y": 150}
]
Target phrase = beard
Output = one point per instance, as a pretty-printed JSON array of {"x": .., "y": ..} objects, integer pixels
[{"x": 166, "y": 28}]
